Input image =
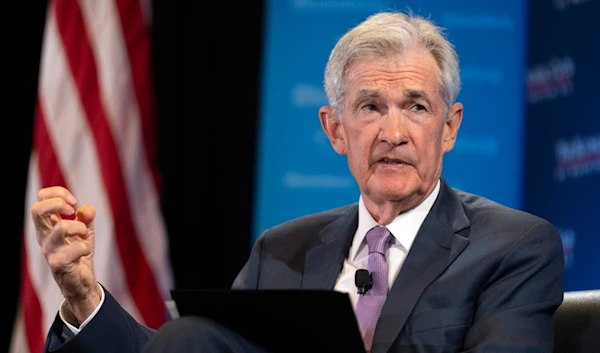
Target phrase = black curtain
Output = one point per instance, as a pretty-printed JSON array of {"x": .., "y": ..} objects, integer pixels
[{"x": 206, "y": 69}]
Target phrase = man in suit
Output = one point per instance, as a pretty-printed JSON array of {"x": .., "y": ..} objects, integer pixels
[{"x": 451, "y": 271}]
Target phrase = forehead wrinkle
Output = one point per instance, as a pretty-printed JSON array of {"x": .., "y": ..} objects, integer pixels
[
  {"x": 374, "y": 81},
  {"x": 368, "y": 80}
]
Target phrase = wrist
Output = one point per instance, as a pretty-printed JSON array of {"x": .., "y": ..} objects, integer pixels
[{"x": 77, "y": 310}]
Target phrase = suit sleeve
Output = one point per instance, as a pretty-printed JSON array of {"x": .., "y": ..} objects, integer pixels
[
  {"x": 111, "y": 330},
  {"x": 249, "y": 275},
  {"x": 516, "y": 307}
]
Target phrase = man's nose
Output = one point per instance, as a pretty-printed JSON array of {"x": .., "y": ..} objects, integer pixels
[{"x": 393, "y": 128}]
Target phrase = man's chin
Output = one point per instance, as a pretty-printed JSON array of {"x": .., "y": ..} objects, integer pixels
[{"x": 393, "y": 194}]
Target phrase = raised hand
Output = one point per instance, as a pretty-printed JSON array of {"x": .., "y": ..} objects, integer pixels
[{"x": 66, "y": 237}]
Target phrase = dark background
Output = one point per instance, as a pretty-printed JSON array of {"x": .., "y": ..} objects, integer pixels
[{"x": 206, "y": 67}]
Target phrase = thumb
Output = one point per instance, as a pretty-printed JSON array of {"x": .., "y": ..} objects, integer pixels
[{"x": 86, "y": 214}]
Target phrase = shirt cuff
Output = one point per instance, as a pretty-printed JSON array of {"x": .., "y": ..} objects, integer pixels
[{"x": 74, "y": 329}]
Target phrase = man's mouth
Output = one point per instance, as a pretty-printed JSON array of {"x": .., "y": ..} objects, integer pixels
[{"x": 391, "y": 161}]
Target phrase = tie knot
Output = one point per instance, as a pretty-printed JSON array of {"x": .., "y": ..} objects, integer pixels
[{"x": 378, "y": 239}]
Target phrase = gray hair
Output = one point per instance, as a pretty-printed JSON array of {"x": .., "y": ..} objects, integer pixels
[{"x": 388, "y": 33}]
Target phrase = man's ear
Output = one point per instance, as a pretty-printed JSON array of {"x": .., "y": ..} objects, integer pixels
[
  {"x": 452, "y": 125},
  {"x": 332, "y": 125}
]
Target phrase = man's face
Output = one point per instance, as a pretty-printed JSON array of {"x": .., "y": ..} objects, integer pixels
[{"x": 393, "y": 129}]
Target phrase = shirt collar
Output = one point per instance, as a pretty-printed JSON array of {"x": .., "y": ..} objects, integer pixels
[{"x": 404, "y": 227}]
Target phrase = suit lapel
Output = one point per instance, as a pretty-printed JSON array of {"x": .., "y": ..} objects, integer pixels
[
  {"x": 436, "y": 246},
  {"x": 324, "y": 261}
]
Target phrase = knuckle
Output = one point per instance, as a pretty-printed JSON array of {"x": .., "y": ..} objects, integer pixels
[
  {"x": 56, "y": 263},
  {"x": 62, "y": 203},
  {"x": 62, "y": 226},
  {"x": 36, "y": 210},
  {"x": 83, "y": 248}
]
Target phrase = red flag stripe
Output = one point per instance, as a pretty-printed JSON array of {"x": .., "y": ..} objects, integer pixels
[
  {"x": 49, "y": 168},
  {"x": 31, "y": 307},
  {"x": 140, "y": 278},
  {"x": 137, "y": 40}
]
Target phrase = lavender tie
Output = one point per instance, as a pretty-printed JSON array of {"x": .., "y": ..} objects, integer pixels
[{"x": 369, "y": 305}]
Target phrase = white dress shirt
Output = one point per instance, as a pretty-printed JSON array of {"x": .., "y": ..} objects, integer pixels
[
  {"x": 74, "y": 329},
  {"x": 404, "y": 228}
]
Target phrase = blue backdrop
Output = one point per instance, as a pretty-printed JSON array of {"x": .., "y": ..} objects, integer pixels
[
  {"x": 562, "y": 174},
  {"x": 515, "y": 60}
]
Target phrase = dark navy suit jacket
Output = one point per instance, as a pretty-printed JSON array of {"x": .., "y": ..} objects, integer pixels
[{"x": 480, "y": 277}]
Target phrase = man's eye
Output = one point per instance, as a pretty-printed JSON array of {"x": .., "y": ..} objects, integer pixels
[
  {"x": 370, "y": 107},
  {"x": 418, "y": 107}
]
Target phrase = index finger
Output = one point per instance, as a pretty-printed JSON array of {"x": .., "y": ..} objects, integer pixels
[{"x": 56, "y": 191}]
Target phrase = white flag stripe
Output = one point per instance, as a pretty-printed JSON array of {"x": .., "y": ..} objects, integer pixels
[
  {"x": 117, "y": 93},
  {"x": 18, "y": 338}
]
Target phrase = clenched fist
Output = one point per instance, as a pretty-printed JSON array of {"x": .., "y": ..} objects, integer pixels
[{"x": 66, "y": 237}]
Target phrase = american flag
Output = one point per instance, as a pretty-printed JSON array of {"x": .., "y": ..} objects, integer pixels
[{"x": 94, "y": 134}]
